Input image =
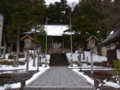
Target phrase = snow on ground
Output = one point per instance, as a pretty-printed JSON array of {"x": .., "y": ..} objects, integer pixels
[
  {"x": 96, "y": 58},
  {"x": 112, "y": 84},
  {"x": 11, "y": 69},
  {"x": 18, "y": 85},
  {"x": 91, "y": 80}
]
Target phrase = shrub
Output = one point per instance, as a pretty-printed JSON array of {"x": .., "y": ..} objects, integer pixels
[
  {"x": 21, "y": 62},
  {"x": 4, "y": 78},
  {"x": 76, "y": 62},
  {"x": 21, "y": 55},
  {"x": 116, "y": 69},
  {"x": 5, "y": 75},
  {"x": 10, "y": 56},
  {"x": 6, "y": 62},
  {"x": 101, "y": 75}
]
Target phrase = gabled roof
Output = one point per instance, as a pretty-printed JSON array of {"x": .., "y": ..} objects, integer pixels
[
  {"x": 113, "y": 37},
  {"x": 80, "y": 46},
  {"x": 92, "y": 37},
  {"x": 26, "y": 37}
]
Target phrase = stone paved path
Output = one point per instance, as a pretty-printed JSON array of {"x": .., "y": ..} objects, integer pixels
[{"x": 59, "y": 78}]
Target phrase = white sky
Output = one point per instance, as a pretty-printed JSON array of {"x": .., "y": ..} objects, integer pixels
[{"x": 52, "y": 1}]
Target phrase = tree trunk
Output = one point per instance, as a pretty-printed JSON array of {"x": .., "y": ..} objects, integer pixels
[
  {"x": 4, "y": 52},
  {"x": 34, "y": 48},
  {"x": 11, "y": 49},
  {"x": 34, "y": 57},
  {"x": 18, "y": 46},
  {"x": 17, "y": 52}
]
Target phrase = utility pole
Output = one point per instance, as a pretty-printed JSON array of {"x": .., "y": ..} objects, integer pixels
[
  {"x": 46, "y": 44},
  {"x": 71, "y": 43}
]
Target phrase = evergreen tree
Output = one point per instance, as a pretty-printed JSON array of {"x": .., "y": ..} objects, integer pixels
[
  {"x": 41, "y": 39},
  {"x": 59, "y": 12},
  {"x": 112, "y": 18},
  {"x": 86, "y": 16},
  {"x": 18, "y": 23}
]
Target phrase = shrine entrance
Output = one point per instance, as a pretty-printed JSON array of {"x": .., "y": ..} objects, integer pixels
[{"x": 57, "y": 44}]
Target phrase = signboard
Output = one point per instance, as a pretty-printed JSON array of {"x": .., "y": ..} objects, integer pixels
[{"x": 27, "y": 43}]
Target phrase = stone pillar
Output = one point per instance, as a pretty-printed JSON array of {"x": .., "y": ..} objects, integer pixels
[{"x": 23, "y": 83}]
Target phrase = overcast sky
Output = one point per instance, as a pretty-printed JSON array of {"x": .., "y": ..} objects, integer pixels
[{"x": 52, "y": 1}]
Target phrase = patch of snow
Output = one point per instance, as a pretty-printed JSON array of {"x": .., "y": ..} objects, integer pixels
[
  {"x": 96, "y": 58},
  {"x": 112, "y": 84},
  {"x": 11, "y": 69}
]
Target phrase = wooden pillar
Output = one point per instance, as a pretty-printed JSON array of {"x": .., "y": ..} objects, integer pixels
[
  {"x": 52, "y": 45},
  {"x": 56, "y": 44},
  {"x": 63, "y": 45}
]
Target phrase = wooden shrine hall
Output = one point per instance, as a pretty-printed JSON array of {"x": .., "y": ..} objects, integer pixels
[{"x": 57, "y": 45}]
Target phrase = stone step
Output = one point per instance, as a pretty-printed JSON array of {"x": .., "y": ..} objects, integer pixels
[
  {"x": 58, "y": 59},
  {"x": 60, "y": 50}
]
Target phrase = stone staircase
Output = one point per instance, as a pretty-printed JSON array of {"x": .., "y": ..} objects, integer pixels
[
  {"x": 58, "y": 59},
  {"x": 60, "y": 50}
]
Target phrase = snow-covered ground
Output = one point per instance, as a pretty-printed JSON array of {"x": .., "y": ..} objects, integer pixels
[
  {"x": 96, "y": 58},
  {"x": 10, "y": 69}
]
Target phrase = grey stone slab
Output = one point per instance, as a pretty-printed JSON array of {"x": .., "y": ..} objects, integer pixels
[
  {"x": 49, "y": 83},
  {"x": 48, "y": 88},
  {"x": 60, "y": 78},
  {"x": 31, "y": 88},
  {"x": 63, "y": 82}
]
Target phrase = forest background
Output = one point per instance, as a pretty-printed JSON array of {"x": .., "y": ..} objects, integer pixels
[{"x": 89, "y": 17}]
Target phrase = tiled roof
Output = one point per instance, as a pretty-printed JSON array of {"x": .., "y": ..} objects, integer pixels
[{"x": 113, "y": 37}]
